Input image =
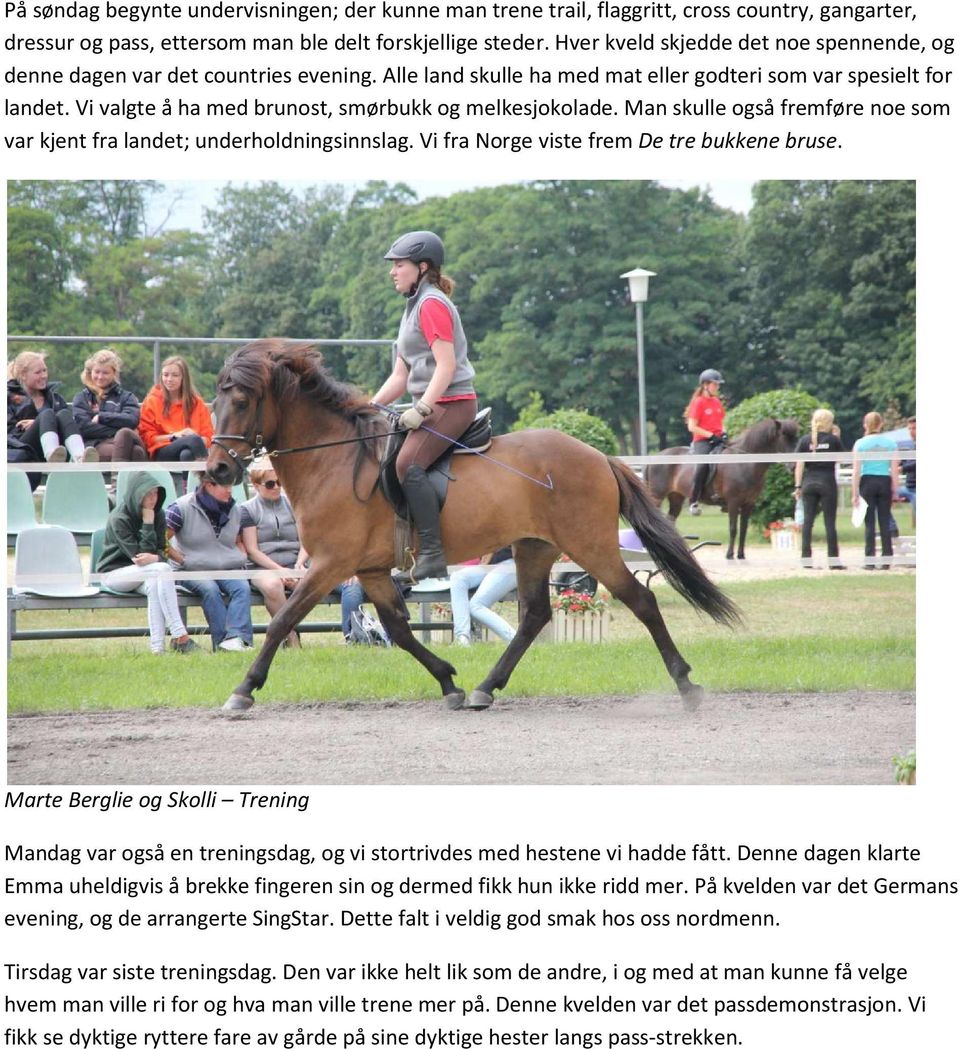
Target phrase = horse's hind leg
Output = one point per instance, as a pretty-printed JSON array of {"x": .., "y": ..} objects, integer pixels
[
  {"x": 732, "y": 524},
  {"x": 617, "y": 578},
  {"x": 393, "y": 614},
  {"x": 745, "y": 512},
  {"x": 534, "y": 559},
  {"x": 675, "y": 504}
]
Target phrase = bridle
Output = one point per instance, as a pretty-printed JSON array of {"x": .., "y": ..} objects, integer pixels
[{"x": 259, "y": 451}]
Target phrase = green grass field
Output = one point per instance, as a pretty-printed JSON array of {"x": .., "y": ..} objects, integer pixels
[
  {"x": 826, "y": 633},
  {"x": 713, "y": 524}
]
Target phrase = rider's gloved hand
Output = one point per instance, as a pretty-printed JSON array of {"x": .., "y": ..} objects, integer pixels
[
  {"x": 724, "y": 438},
  {"x": 413, "y": 417}
]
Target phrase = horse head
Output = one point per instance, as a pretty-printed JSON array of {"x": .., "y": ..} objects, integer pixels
[
  {"x": 275, "y": 390},
  {"x": 246, "y": 408},
  {"x": 788, "y": 433},
  {"x": 768, "y": 435}
]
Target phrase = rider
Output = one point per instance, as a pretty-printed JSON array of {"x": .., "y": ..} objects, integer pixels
[
  {"x": 431, "y": 365},
  {"x": 704, "y": 417}
]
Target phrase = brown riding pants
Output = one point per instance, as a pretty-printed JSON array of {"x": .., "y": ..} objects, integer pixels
[
  {"x": 422, "y": 448},
  {"x": 124, "y": 447}
]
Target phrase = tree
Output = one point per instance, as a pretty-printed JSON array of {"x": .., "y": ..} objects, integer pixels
[
  {"x": 266, "y": 245},
  {"x": 572, "y": 421},
  {"x": 82, "y": 262},
  {"x": 37, "y": 267},
  {"x": 831, "y": 268}
]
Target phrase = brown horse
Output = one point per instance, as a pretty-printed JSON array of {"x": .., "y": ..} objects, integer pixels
[
  {"x": 277, "y": 395},
  {"x": 735, "y": 485}
]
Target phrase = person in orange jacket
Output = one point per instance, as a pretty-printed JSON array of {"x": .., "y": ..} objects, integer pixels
[{"x": 175, "y": 423}]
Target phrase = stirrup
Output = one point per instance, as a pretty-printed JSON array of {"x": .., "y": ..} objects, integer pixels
[{"x": 423, "y": 570}]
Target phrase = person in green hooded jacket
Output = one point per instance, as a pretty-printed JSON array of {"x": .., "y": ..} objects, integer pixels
[{"x": 134, "y": 545}]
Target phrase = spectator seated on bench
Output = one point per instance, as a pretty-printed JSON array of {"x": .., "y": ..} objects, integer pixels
[
  {"x": 272, "y": 541},
  {"x": 134, "y": 543},
  {"x": 204, "y": 529},
  {"x": 494, "y": 578}
]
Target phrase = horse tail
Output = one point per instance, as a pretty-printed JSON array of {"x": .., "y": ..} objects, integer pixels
[{"x": 668, "y": 550}]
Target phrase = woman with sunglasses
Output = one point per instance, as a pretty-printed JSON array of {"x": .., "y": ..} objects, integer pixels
[{"x": 270, "y": 535}]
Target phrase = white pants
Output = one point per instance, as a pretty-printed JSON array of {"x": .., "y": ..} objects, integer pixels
[
  {"x": 493, "y": 582},
  {"x": 162, "y": 608}
]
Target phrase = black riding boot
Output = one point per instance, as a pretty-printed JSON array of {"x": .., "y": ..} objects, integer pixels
[
  {"x": 699, "y": 479},
  {"x": 430, "y": 563}
]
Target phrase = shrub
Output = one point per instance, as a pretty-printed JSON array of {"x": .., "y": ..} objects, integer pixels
[
  {"x": 776, "y": 500},
  {"x": 573, "y": 421}
]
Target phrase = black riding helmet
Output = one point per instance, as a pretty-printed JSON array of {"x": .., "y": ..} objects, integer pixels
[
  {"x": 419, "y": 246},
  {"x": 710, "y": 375}
]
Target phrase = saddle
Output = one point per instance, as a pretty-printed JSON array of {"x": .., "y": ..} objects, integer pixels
[{"x": 477, "y": 438}]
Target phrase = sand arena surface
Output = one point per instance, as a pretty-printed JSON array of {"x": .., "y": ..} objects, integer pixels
[{"x": 818, "y": 738}]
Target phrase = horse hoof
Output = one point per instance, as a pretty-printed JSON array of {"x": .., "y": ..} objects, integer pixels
[
  {"x": 454, "y": 700},
  {"x": 479, "y": 700},
  {"x": 238, "y": 702},
  {"x": 692, "y": 696}
]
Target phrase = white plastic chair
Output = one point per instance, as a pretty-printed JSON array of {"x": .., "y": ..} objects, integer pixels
[
  {"x": 49, "y": 552},
  {"x": 77, "y": 501},
  {"x": 21, "y": 513}
]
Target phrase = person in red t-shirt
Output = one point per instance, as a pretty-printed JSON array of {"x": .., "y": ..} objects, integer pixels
[
  {"x": 704, "y": 417},
  {"x": 431, "y": 366}
]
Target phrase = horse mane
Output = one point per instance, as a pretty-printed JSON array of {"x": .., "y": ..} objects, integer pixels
[
  {"x": 762, "y": 436},
  {"x": 291, "y": 370}
]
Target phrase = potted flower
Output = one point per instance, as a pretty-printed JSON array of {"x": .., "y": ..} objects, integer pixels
[
  {"x": 905, "y": 769},
  {"x": 782, "y": 534},
  {"x": 580, "y": 616}
]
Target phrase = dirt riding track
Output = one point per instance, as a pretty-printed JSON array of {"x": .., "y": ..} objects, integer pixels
[{"x": 732, "y": 738}]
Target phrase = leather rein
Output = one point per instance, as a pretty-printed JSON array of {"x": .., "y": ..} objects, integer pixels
[{"x": 259, "y": 451}]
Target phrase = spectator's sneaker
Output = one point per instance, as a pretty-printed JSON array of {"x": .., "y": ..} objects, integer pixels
[
  {"x": 58, "y": 455},
  {"x": 694, "y": 509},
  {"x": 232, "y": 644},
  {"x": 462, "y": 639},
  {"x": 90, "y": 455},
  {"x": 184, "y": 645}
]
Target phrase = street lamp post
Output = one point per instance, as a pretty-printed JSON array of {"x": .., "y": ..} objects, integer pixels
[{"x": 637, "y": 281}]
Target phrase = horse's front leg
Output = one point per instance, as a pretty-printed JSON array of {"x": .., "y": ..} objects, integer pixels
[
  {"x": 732, "y": 522},
  {"x": 390, "y": 607},
  {"x": 319, "y": 581}
]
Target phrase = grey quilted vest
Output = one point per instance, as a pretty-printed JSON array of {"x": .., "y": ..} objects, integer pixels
[
  {"x": 412, "y": 348},
  {"x": 277, "y": 534},
  {"x": 202, "y": 548}
]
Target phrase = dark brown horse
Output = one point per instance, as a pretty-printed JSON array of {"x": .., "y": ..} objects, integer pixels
[
  {"x": 279, "y": 395},
  {"x": 735, "y": 485}
]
